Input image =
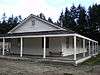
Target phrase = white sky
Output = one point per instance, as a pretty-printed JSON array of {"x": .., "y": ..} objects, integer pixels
[{"x": 51, "y": 8}]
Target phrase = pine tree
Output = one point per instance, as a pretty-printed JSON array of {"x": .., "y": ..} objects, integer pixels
[
  {"x": 50, "y": 20},
  {"x": 82, "y": 20}
]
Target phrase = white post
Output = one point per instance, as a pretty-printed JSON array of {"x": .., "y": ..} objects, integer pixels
[
  {"x": 44, "y": 48},
  {"x": 92, "y": 48},
  {"x": 63, "y": 44},
  {"x": 89, "y": 49},
  {"x": 95, "y": 48},
  {"x": 84, "y": 47},
  {"x": 3, "y": 53},
  {"x": 21, "y": 47},
  {"x": 74, "y": 47}
]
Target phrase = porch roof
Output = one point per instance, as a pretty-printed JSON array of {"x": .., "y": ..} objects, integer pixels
[
  {"x": 46, "y": 33},
  {"x": 38, "y": 33}
]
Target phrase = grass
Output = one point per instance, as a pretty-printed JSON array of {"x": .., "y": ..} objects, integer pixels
[{"x": 93, "y": 61}]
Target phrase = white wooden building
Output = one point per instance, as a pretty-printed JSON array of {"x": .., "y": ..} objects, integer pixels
[{"x": 35, "y": 36}]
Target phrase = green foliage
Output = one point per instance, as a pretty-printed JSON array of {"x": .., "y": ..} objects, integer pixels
[
  {"x": 50, "y": 20},
  {"x": 93, "y": 61},
  {"x": 78, "y": 19},
  {"x": 8, "y": 23},
  {"x": 82, "y": 21}
]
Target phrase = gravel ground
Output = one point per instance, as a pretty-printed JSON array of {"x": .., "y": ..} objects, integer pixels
[{"x": 10, "y": 67}]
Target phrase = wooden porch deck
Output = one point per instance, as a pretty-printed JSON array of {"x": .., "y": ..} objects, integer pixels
[
  {"x": 38, "y": 59},
  {"x": 50, "y": 59}
]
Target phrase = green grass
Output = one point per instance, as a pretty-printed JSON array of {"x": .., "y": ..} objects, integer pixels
[{"x": 93, "y": 61}]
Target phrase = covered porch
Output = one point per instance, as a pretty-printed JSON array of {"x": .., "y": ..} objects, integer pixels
[{"x": 64, "y": 47}]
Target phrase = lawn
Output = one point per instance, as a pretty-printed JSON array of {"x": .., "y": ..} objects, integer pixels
[
  {"x": 18, "y": 67},
  {"x": 93, "y": 61}
]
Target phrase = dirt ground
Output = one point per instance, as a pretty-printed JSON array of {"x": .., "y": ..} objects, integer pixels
[{"x": 11, "y": 67}]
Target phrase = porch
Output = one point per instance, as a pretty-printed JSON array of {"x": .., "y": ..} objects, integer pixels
[{"x": 69, "y": 47}]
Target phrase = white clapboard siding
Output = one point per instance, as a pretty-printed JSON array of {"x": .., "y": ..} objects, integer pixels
[{"x": 38, "y": 26}]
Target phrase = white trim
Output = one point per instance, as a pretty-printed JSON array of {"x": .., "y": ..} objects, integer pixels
[
  {"x": 59, "y": 35},
  {"x": 78, "y": 35},
  {"x": 55, "y": 35}
]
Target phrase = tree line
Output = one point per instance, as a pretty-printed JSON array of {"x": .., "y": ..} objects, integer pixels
[
  {"x": 78, "y": 19},
  {"x": 7, "y": 24},
  {"x": 82, "y": 21}
]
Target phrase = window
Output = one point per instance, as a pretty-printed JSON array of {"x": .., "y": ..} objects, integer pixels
[{"x": 47, "y": 42}]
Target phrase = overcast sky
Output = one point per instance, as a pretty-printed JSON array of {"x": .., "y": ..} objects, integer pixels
[{"x": 51, "y": 8}]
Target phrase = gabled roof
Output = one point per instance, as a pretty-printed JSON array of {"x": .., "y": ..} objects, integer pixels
[{"x": 33, "y": 16}]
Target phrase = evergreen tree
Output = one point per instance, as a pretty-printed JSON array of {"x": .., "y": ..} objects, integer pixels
[
  {"x": 50, "y": 20},
  {"x": 82, "y": 20},
  {"x": 94, "y": 21},
  {"x": 42, "y": 16},
  {"x": 61, "y": 19},
  {"x": 74, "y": 13}
]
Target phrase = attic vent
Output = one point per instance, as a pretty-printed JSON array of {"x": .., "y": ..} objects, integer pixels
[{"x": 33, "y": 21}]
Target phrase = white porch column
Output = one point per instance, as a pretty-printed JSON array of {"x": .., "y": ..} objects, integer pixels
[
  {"x": 21, "y": 47},
  {"x": 92, "y": 48},
  {"x": 63, "y": 44},
  {"x": 84, "y": 47},
  {"x": 74, "y": 47},
  {"x": 89, "y": 49},
  {"x": 95, "y": 48},
  {"x": 3, "y": 52},
  {"x": 44, "y": 48}
]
